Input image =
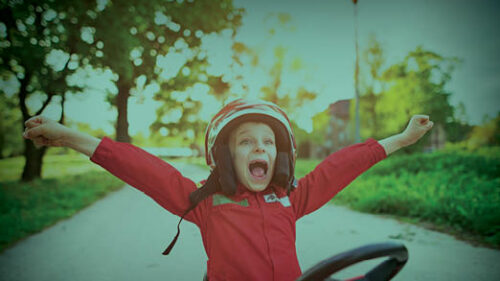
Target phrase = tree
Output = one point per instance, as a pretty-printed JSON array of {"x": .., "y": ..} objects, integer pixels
[
  {"x": 154, "y": 40},
  {"x": 417, "y": 85},
  {"x": 414, "y": 86},
  {"x": 10, "y": 131},
  {"x": 43, "y": 42},
  {"x": 372, "y": 85},
  {"x": 319, "y": 137},
  {"x": 34, "y": 32},
  {"x": 487, "y": 134}
]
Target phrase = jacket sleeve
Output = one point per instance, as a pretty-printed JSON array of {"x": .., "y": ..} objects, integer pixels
[
  {"x": 333, "y": 174},
  {"x": 149, "y": 174}
]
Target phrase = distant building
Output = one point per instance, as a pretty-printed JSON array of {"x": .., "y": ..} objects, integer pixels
[
  {"x": 337, "y": 133},
  {"x": 339, "y": 125}
]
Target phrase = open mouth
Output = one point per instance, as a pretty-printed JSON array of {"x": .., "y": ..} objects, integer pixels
[{"x": 258, "y": 169}]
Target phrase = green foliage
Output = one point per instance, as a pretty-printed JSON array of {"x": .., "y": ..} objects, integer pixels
[
  {"x": 487, "y": 134},
  {"x": 46, "y": 41},
  {"x": 85, "y": 128},
  {"x": 135, "y": 38},
  {"x": 195, "y": 19},
  {"x": 319, "y": 132},
  {"x": 10, "y": 128},
  {"x": 27, "y": 208},
  {"x": 391, "y": 95},
  {"x": 456, "y": 189},
  {"x": 270, "y": 92},
  {"x": 38, "y": 48},
  {"x": 304, "y": 166},
  {"x": 36, "y": 29},
  {"x": 455, "y": 161}
]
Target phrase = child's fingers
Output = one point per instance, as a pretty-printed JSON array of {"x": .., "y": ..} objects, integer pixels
[
  {"x": 421, "y": 119},
  {"x": 35, "y": 121},
  {"x": 34, "y": 132},
  {"x": 429, "y": 125}
]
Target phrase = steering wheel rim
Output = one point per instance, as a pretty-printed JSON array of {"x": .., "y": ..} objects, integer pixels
[{"x": 397, "y": 257}]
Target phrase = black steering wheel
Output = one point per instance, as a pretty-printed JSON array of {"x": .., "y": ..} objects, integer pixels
[{"x": 397, "y": 256}]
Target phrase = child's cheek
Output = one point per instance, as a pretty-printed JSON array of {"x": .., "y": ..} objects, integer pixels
[{"x": 240, "y": 161}]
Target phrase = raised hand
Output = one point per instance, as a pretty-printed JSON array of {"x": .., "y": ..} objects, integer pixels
[
  {"x": 45, "y": 132},
  {"x": 417, "y": 127}
]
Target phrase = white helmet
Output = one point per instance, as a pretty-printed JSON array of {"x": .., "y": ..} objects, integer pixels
[
  {"x": 243, "y": 110},
  {"x": 218, "y": 156}
]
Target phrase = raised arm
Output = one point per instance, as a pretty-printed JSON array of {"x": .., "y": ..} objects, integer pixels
[
  {"x": 142, "y": 170},
  {"x": 417, "y": 127},
  {"x": 46, "y": 132},
  {"x": 342, "y": 167}
]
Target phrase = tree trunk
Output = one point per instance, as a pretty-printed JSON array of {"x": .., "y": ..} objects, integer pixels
[
  {"x": 33, "y": 165},
  {"x": 122, "y": 105},
  {"x": 33, "y": 156}
]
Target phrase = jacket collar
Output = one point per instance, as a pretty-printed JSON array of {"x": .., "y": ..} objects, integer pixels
[{"x": 243, "y": 192}]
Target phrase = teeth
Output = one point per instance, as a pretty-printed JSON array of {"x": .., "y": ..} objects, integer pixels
[{"x": 257, "y": 163}]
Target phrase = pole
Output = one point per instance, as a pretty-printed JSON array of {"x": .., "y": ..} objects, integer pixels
[{"x": 356, "y": 73}]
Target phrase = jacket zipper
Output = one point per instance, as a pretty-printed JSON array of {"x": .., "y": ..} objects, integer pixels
[{"x": 261, "y": 208}]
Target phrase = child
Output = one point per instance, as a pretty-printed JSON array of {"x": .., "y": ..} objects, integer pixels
[{"x": 247, "y": 208}]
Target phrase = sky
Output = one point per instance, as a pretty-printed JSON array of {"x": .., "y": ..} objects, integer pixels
[
  {"x": 320, "y": 34},
  {"x": 324, "y": 39}
]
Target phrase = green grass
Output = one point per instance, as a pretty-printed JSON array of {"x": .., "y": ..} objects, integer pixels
[
  {"x": 53, "y": 166},
  {"x": 70, "y": 183},
  {"x": 456, "y": 191},
  {"x": 27, "y": 208}
]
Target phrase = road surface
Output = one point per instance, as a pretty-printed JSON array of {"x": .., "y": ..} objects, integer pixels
[{"x": 122, "y": 236}]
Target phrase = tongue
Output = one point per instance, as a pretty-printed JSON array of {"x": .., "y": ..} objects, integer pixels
[{"x": 258, "y": 171}]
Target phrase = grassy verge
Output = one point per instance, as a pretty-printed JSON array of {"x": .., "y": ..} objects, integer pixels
[
  {"x": 54, "y": 166},
  {"x": 71, "y": 182},
  {"x": 27, "y": 208},
  {"x": 453, "y": 191}
]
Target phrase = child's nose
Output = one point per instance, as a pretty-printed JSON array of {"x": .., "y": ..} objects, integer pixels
[{"x": 259, "y": 147}]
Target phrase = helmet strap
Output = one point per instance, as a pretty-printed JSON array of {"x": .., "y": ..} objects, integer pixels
[
  {"x": 225, "y": 182},
  {"x": 284, "y": 172},
  {"x": 281, "y": 169},
  {"x": 227, "y": 175}
]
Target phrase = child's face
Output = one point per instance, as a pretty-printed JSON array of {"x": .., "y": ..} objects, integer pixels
[{"x": 253, "y": 150}]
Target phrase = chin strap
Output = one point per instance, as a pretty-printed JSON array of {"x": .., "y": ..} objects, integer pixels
[
  {"x": 171, "y": 245},
  {"x": 226, "y": 182}
]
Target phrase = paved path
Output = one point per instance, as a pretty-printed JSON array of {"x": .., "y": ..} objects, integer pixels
[{"x": 122, "y": 236}]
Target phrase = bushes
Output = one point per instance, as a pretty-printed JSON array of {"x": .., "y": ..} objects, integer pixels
[
  {"x": 456, "y": 189},
  {"x": 484, "y": 162}
]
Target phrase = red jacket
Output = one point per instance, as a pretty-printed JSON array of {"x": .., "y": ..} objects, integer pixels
[{"x": 249, "y": 236}]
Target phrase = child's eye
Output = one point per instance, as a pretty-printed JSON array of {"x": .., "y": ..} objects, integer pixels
[
  {"x": 245, "y": 141},
  {"x": 269, "y": 142}
]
